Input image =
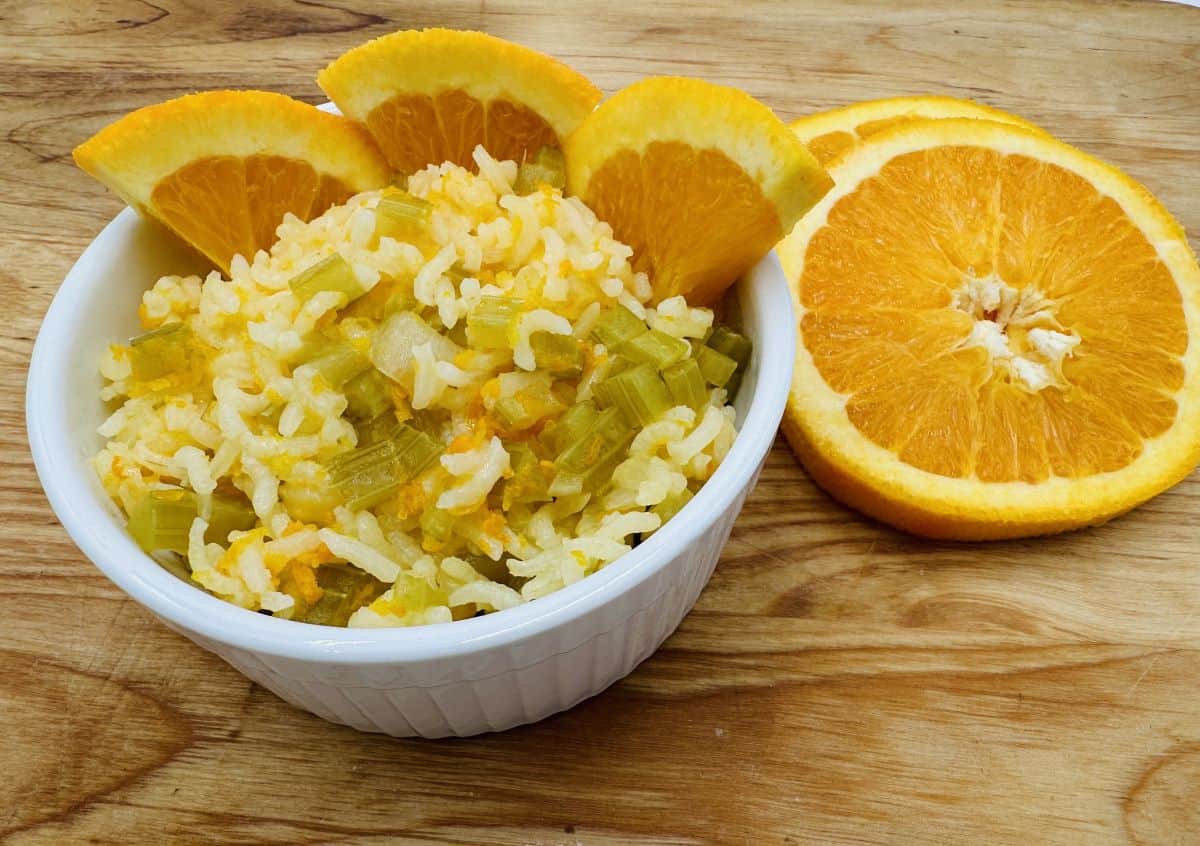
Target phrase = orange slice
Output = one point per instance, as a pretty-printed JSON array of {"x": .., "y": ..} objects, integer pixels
[
  {"x": 430, "y": 96},
  {"x": 829, "y": 134},
  {"x": 701, "y": 180},
  {"x": 221, "y": 168},
  {"x": 998, "y": 334}
]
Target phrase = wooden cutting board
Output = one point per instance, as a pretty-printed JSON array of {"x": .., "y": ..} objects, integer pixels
[{"x": 838, "y": 682}]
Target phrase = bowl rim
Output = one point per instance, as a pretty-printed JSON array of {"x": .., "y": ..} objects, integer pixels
[{"x": 88, "y": 519}]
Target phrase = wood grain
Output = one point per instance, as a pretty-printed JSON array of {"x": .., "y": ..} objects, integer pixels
[{"x": 838, "y": 683}]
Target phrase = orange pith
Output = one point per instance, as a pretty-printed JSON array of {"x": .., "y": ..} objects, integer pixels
[
  {"x": 246, "y": 198},
  {"x": 883, "y": 327},
  {"x": 418, "y": 129},
  {"x": 680, "y": 187}
]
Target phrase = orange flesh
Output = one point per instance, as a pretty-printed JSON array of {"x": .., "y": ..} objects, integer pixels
[
  {"x": 879, "y": 285},
  {"x": 695, "y": 220},
  {"x": 415, "y": 130},
  {"x": 226, "y": 206}
]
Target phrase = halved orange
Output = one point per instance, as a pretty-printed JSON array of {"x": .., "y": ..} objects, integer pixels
[
  {"x": 830, "y": 133},
  {"x": 430, "y": 96},
  {"x": 999, "y": 335},
  {"x": 221, "y": 168},
  {"x": 701, "y": 180}
]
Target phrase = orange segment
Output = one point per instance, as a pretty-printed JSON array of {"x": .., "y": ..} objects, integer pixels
[
  {"x": 831, "y": 133},
  {"x": 430, "y": 96},
  {"x": 699, "y": 179},
  {"x": 995, "y": 334},
  {"x": 222, "y": 168}
]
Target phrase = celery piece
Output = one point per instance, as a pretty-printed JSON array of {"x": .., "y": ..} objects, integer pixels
[
  {"x": 547, "y": 167},
  {"x": 606, "y": 429},
  {"x": 592, "y": 467},
  {"x": 339, "y": 364},
  {"x": 638, "y": 392},
  {"x": 345, "y": 590},
  {"x": 732, "y": 344},
  {"x": 368, "y": 475},
  {"x": 529, "y": 405},
  {"x": 528, "y": 482},
  {"x": 579, "y": 419},
  {"x": 716, "y": 367},
  {"x": 616, "y": 326},
  {"x": 367, "y": 395},
  {"x": 399, "y": 213},
  {"x": 489, "y": 322},
  {"x": 376, "y": 429},
  {"x": 686, "y": 385},
  {"x": 162, "y": 519},
  {"x": 332, "y": 273},
  {"x": 161, "y": 352},
  {"x": 437, "y": 524},
  {"x": 672, "y": 505},
  {"x": 656, "y": 348},
  {"x": 558, "y": 355}
]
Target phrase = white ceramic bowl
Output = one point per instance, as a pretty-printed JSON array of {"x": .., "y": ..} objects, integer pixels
[{"x": 483, "y": 674}]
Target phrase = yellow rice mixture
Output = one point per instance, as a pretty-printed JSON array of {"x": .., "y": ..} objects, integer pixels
[{"x": 248, "y": 418}]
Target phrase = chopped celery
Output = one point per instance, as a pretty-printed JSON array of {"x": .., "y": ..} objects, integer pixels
[
  {"x": 528, "y": 482},
  {"x": 656, "y": 348},
  {"x": 732, "y": 344},
  {"x": 559, "y": 355},
  {"x": 367, "y": 395},
  {"x": 376, "y": 429},
  {"x": 616, "y": 326},
  {"x": 529, "y": 405},
  {"x": 368, "y": 475},
  {"x": 437, "y": 524},
  {"x": 162, "y": 519},
  {"x": 398, "y": 213},
  {"x": 591, "y": 466},
  {"x": 489, "y": 322},
  {"x": 332, "y": 273},
  {"x": 606, "y": 429},
  {"x": 716, "y": 367},
  {"x": 579, "y": 419},
  {"x": 638, "y": 392},
  {"x": 547, "y": 167},
  {"x": 345, "y": 590},
  {"x": 340, "y": 364},
  {"x": 161, "y": 352},
  {"x": 672, "y": 505},
  {"x": 686, "y": 385}
]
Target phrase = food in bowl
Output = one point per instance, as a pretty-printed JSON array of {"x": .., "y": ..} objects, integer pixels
[{"x": 424, "y": 404}]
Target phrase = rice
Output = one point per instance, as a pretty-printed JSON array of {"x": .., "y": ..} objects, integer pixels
[{"x": 249, "y": 418}]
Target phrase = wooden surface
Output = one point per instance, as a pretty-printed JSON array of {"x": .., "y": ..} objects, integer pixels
[{"x": 838, "y": 683}]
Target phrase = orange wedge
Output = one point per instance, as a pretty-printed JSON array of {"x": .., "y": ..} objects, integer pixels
[
  {"x": 430, "y": 96},
  {"x": 701, "y": 180},
  {"x": 999, "y": 335},
  {"x": 221, "y": 168},
  {"x": 829, "y": 134}
]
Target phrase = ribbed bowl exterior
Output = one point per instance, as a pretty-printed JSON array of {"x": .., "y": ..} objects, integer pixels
[{"x": 500, "y": 688}]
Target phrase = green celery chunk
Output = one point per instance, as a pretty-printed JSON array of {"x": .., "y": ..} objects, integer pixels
[
  {"x": 529, "y": 405},
  {"x": 437, "y": 524},
  {"x": 339, "y": 364},
  {"x": 367, "y": 395},
  {"x": 587, "y": 466},
  {"x": 161, "y": 352},
  {"x": 332, "y": 273},
  {"x": 368, "y": 475},
  {"x": 398, "y": 213},
  {"x": 162, "y": 518},
  {"x": 686, "y": 385},
  {"x": 559, "y": 355},
  {"x": 672, "y": 505},
  {"x": 639, "y": 393},
  {"x": 547, "y": 167},
  {"x": 606, "y": 429},
  {"x": 489, "y": 322},
  {"x": 656, "y": 348},
  {"x": 616, "y": 326},
  {"x": 579, "y": 419},
  {"x": 345, "y": 590},
  {"x": 716, "y": 367},
  {"x": 732, "y": 344},
  {"x": 376, "y": 429},
  {"x": 527, "y": 483}
]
